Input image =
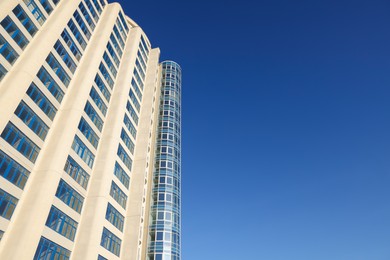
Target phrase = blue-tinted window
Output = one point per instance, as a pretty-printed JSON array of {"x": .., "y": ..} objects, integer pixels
[
  {"x": 116, "y": 45},
  {"x": 113, "y": 54},
  {"x": 136, "y": 88},
  {"x": 13, "y": 171},
  {"x": 13, "y": 30},
  {"x": 122, "y": 31},
  {"x": 25, "y": 20},
  {"x": 58, "y": 69},
  {"x": 41, "y": 100},
  {"x": 36, "y": 12},
  {"x": 98, "y": 100},
  {"x": 138, "y": 78},
  {"x": 111, "y": 242},
  {"x": 7, "y": 51},
  {"x": 7, "y": 204},
  {"x": 134, "y": 99},
  {"x": 82, "y": 24},
  {"x": 3, "y": 72},
  {"x": 69, "y": 196},
  {"x": 32, "y": 120},
  {"x": 118, "y": 36},
  {"x": 132, "y": 112},
  {"x": 124, "y": 157},
  {"x": 20, "y": 142},
  {"x": 121, "y": 17},
  {"x": 130, "y": 126},
  {"x": 101, "y": 258},
  {"x": 97, "y": 6},
  {"x": 92, "y": 10},
  {"x": 146, "y": 47},
  {"x": 81, "y": 149},
  {"x": 48, "y": 250},
  {"x": 88, "y": 132},
  {"x": 73, "y": 28},
  {"x": 106, "y": 75},
  {"x": 121, "y": 174},
  {"x": 51, "y": 84},
  {"x": 102, "y": 86},
  {"x": 61, "y": 223},
  {"x": 128, "y": 142},
  {"x": 93, "y": 115},
  {"x": 141, "y": 59},
  {"x": 114, "y": 217},
  {"x": 118, "y": 195},
  {"x": 46, "y": 5},
  {"x": 86, "y": 15},
  {"x": 109, "y": 63},
  {"x": 71, "y": 44},
  {"x": 65, "y": 56},
  {"x": 76, "y": 172}
]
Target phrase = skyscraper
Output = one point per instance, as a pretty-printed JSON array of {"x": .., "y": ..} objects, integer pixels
[{"x": 90, "y": 142}]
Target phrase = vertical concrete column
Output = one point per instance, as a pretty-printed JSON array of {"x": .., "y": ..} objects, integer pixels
[
  {"x": 31, "y": 212},
  {"x": 135, "y": 214},
  {"x": 95, "y": 205}
]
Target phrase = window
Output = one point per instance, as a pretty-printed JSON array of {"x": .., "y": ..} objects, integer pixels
[
  {"x": 114, "y": 217},
  {"x": 92, "y": 10},
  {"x": 136, "y": 88},
  {"x": 102, "y": 86},
  {"x": 118, "y": 36},
  {"x": 98, "y": 100},
  {"x": 118, "y": 23},
  {"x": 141, "y": 59},
  {"x": 124, "y": 157},
  {"x": 118, "y": 195},
  {"x": 25, "y": 20},
  {"x": 134, "y": 99},
  {"x": 128, "y": 142},
  {"x": 50, "y": 84},
  {"x": 106, "y": 75},
  {"x": 46, "y": 5},
  {"x": 48, "y": 250},
  {"x": 61, "y": 223},
  {"x": 110, "y": 64},
  {"x": 86, "y": 15},
  {"x": 32, "y": 120},
  {"x": 58, "y": 69},
  {"x": 101, "y": 258},
  {"x": 138, "y": 78},
  {"x": 116, "y": 45},
  {"x": 76, "y": 172},
  {"x": 3, "y": 72},
  {"x": 69, "y": 196},
  {"x": 73, "y": 28},
  {"x": 36, "y": 12},
  {"x": 122, "y": 175},
  {"x": 1, "y": 234},
  {"x": 20, "y": 142},
  {"x": 14, "y": 32},
  {"x": 121, "y": 17},
  {"x": 67, "y": 59},
  {"x": 140, "y": 69},
  {"x": 113, "y": 54},
  {"x": 81, "y": 149},
  {"x": 82, "y": 24},
  {"x": 71, "y": 44},
  {"x": 7, "y": 204},
  {"x": 130, "y": 126},
  {"x": 88, "y": 132},
  {"x": 41, "y": 100},
  {"x": 111, "y": 242},
  {"x": 13, "y": 171},
  {"x": 145, "y": 46},
  {"x": 93, "y": 115},
  {"x": 132, "y": 112},
  {"x": 7, "y": 51}
]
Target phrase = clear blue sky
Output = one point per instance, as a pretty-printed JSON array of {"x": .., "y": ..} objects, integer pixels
[{"x": 286, "y": 125}]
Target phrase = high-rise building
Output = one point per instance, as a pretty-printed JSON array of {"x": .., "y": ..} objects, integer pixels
[{"x": 90, "y": 142}]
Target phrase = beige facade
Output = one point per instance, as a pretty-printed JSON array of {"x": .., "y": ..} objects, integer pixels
[{"x": 84, "y": 149}]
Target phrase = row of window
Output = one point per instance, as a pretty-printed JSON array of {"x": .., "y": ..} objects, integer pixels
[
  {"x": 98, "y": 101},
  {"x": 13, "y": 171},
  {"x": 82, "y": 150},
  {"x": 76, "y": 172},
  {"x": 93, "y": 115},
  {"x": 58, "y": 69},
  {"x": 88, "y": 132},
  {"x": 134, "y": 99},
  {"x": 32, "y": 120},
  {"x": 62, "y": 223},
  {"x": 129, "y": 125},
  {"x": 48, "y": 250},
  {"x": 7, "y": 51},
  {"x": 121, "y": 175},
  {"x": 128, "y": 142},
  {"x": 114, "y": 217},
  {"x": 118, "y": 195},
  {"x": 111, "y": 242},
  {"x": 7, "y": 204},
  {"x": 69, "y": 196},
  {"x": 15, "y": 32},
  {"x": 41, "y": 101},
  {"x": 132, "y": 112}
]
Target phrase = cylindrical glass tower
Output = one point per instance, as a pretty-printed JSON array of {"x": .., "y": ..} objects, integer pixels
[{"x": 165, "y": 220}]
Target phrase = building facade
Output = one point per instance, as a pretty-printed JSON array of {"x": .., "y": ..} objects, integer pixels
[{"x": 90, "y": 145}]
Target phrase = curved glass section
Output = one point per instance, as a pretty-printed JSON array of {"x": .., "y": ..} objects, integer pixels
[{"x": 165, "y": 219}]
